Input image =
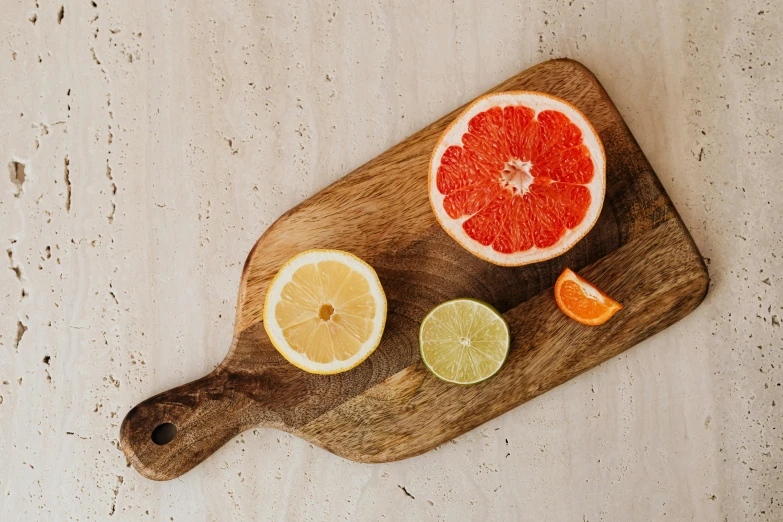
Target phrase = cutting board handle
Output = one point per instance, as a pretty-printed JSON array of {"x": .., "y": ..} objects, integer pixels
[{"x": 170, "y": 433}]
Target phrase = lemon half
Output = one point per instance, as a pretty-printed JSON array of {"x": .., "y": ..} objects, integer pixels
[{"x": 325, "y": 311}]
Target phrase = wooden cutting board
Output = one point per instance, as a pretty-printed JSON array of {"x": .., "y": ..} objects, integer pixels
[{"x": 390, "y": 407}]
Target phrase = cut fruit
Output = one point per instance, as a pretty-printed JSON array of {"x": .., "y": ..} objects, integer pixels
[
  {"x": 583, "y": 302},
  {"x": 325, "y": 311},
  {"x": 464, "y": 341},
  {"x": 519, "y": 177}
]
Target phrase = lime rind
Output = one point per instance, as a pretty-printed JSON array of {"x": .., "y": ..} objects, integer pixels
[{"x": 492, "y": 318}]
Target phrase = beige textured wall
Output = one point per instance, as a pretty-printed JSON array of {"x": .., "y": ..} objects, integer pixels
[{"x": 160, "y": 139}]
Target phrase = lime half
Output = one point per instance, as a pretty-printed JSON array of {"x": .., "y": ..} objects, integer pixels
[{"x": 464, "y": 341}]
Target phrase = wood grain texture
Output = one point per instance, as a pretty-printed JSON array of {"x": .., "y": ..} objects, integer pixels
[
  {"x": 389, "y": 408},
  {"x": 413, "y": 411}
]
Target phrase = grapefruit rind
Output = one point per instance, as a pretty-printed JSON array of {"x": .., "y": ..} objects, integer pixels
[{"x": 539, "y": 102}]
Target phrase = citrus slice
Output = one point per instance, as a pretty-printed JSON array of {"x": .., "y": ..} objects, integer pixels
[
  {"x": 325, "y": 311},
  {"x": 582, "y": 301},
  {"x": 464, "y": 341},
  {"x": 519, "y": 177}
]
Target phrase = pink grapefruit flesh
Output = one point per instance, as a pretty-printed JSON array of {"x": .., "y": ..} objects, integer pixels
[{"x": 519, "y": 177}]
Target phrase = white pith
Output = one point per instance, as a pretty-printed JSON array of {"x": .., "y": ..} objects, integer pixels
[
  {"x": 517, "y": 176},
  {"x": 538, "y": 102},
  {"x": 588, "y": 290}
]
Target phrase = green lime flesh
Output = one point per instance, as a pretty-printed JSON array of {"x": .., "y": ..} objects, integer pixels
[{"x": 464, "y": 341}]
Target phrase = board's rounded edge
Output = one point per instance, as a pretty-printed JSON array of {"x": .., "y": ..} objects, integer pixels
[
  {"x": 703, "y": 279},
  {"x": 206, "y": 413}
]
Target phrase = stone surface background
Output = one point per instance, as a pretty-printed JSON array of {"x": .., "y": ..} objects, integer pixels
[{"x": 158, "y": 140}]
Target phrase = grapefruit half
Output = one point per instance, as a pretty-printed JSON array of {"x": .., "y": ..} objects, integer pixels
[{"x": 519, "y": 177}]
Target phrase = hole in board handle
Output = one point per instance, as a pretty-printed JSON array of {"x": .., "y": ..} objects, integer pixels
[{"x": 164, "y": 433}]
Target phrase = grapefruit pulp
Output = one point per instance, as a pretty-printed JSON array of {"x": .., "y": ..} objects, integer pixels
[{"x": 519, "y": 177}]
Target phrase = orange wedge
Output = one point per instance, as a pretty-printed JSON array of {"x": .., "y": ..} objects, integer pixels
[{"x": 583, "y": 302}]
